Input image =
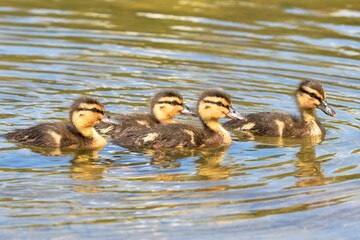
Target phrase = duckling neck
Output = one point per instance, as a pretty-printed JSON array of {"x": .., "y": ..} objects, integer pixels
[
  {"x": 87, "y": 132},
  {"x": 92, "y": 134},
  {"x": 308, "y": 115},
  {"x": 168, "y": 121},
  {"x": 311, "y": 122},
  {"x": 213, "y": 127}
]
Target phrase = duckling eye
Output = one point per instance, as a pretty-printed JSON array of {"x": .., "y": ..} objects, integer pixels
[
  {"x": 96, "y": 110},
  {"x": 313, "y": 95},
  {"x": 174, "y": 102},
  {"x": 219, "y": 103}
]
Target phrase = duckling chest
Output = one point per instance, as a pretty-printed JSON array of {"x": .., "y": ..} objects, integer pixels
[
  {"x": 226, "y": 138},
  {"x": 315, "y": 129},
  {"x": 216, "y": 139},
  {"x": 78, "y": 141},
  {"x": 98, "y": 141}
]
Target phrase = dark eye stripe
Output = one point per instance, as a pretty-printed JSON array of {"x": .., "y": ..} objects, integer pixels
[
  {"x": 313, "y": 95},
  {"x": 174, "y": 103},
  {"x": 91, "y": 110},
  {"x": 217, "y": 103}
]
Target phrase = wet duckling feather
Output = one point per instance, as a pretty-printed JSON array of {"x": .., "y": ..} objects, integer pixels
[
  {"x": 212, "y": 105},
  {"x": 164, "y": 106},
  {"x": 309, "y": 96},
  {"x": 85, "y": 112}
]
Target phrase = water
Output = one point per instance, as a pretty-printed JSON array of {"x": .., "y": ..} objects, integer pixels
[{"x": 122, "y": 52}]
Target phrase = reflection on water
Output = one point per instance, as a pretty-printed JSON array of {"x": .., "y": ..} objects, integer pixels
[
  {"x": 308, "y": 165},
  {"x": 207, "y": 163},
  {"x": 210, "y": 166},
  {"x": 122, "y": 52},
  {"x": 87, "y": 167},
  {"x": 309, "y": 168}
]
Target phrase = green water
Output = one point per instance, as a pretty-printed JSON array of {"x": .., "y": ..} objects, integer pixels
[{"x": 122, "y": 52}]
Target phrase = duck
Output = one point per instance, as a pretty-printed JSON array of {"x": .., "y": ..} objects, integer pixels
[
  {"x": 164, "y": 106},
  {"x": 80, "y": 133},
  {"x": 212, "y": 105},
  {"x": 310, "y": 95}
]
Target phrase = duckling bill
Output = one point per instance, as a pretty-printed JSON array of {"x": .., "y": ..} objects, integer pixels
[
  {"x": 213, "y": 104},
  {"x": 309, "y": 96},
  {"x": 85, "y": 112}
]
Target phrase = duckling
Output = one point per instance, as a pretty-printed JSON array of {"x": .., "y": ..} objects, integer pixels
[
  {"x": 164, "y": 106},
  {"x": 85, "y": 112},
  {"x": 212, "y": 105},
  {"x": 309, "y": 96}
]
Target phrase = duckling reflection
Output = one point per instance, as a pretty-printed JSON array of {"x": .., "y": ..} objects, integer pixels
[
  {"x": 210, "y": 167},
  {"x": 86, "y": 164},
  {"x": 208, "y": 163},
  {"x": 273, "y": 142},
  {"x": 308, "y": 166},
  {"x": 167, "y": 158}
]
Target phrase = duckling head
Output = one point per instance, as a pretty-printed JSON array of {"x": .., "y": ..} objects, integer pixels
[
  {"x": 85, "y": 112},
  {"x": 214, "y": 104},
  {"x": 166, "y": 104},
  {"x": 311, "y": 95}
]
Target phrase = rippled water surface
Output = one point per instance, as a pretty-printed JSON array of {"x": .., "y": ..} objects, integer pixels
[{"x": 122, "y": 52}]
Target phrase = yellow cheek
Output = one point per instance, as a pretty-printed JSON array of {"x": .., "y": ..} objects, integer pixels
[
  {"x": 217, "y": 113},
  {"x": 93, "y": 119},
  {"x": 100, "y": 117},
  {"x": 316, "y": 102},
  {"x": 174, "y": 110},
  {"x": 310, "y": 102},
  {"x": 165, "y": 110},
  {"x": 304, "y": 101}
]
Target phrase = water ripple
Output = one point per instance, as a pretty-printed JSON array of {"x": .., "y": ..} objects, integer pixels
[{"x": 122, "y": 53}]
